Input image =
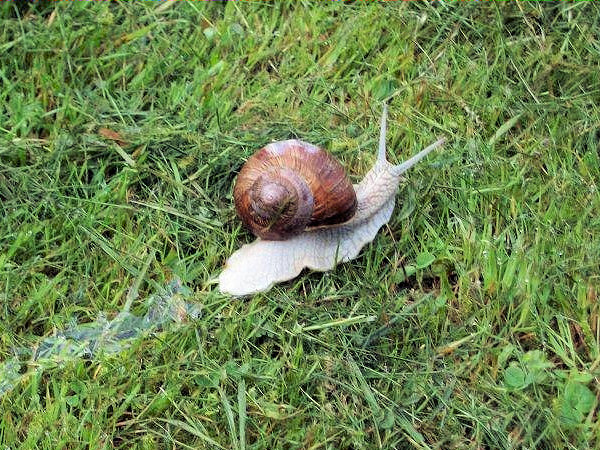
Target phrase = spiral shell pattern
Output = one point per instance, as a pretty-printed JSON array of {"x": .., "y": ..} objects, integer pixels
[{"x": 288, "y": 186}]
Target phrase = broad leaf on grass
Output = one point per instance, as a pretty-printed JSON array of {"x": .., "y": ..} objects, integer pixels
[
  {"x": 424, "y": 260},
  {"x": 575, "y": 403},
  {"x": 515, "y": 377}
]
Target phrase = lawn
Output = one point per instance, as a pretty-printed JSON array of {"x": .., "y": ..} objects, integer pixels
[{"x": 472, "y": 321}]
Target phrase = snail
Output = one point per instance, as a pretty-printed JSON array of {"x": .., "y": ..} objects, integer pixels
[{"x": 306, "y": 213}]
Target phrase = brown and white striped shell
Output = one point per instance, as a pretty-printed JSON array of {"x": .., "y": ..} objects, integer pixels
[{"x": 288, "y": 186}]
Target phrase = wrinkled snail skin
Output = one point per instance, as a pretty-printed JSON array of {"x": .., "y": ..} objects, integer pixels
[{"x": 256, "y": 267}]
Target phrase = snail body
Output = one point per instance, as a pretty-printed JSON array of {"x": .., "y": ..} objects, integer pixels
[{"x": 317, "y": 240}]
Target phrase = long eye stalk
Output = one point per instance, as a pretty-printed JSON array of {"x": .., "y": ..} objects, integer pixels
[{"x": 401, "y": 168}]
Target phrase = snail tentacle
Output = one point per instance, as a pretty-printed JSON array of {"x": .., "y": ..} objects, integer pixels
[{"x": 401, "y": 168}]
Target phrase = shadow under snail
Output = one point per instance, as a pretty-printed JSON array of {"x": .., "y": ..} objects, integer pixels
[{"x": 306, "y": 213}]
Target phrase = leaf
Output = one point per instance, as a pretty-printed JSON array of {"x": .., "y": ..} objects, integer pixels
[
  {"x": 73, "y": 400},
  {"x": 383, "y": 88},
  {"x": 112, "y": 135},
  {"x": 216, "y": 68},
  {"x": 236, "y": 28},
  {"x": 235, "y": 371},
  {"x": 409, "y": 204},
  {"x": 388, "y": 420},
  {"x": 403, "y": 273},
  {"x": 440, "y": 301},
  {"x": 581, "y": 377},
  {"x": 274, "y": 410},
  {"x": 242, "y": 412},
  {"x": 514, "y": 378},
  {"x": 504, "y": 129},
  {"x": 509, "y": 272},
  {"x": 230, "y": 418},
  {"x": 135, "y": 34},
  {"x": 192, "y": 428},
  {"x": 209, "y": 380},
  {"x": 536, "y": 360},
  {"x": 577, "y": 400},
  {"x": 505, "y": 354},
  {"x": 424, "y": 260},
  {"x": 410, "y": 429},
  {"x": 536, "y": 364},
  {"x": 159, "y": 403},
  {"x": 362, "y": 318},
  {"x": 210, "y": 33}
]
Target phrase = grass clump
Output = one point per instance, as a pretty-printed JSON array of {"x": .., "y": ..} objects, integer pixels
[{"x": 472, "y": 321}]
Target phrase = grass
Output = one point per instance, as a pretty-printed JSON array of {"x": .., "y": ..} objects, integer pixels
[{"x": 472, "y": 321}]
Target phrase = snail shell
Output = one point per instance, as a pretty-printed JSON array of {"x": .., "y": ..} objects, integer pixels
[
  {"x": 256, "y": 267},
  {"x": 288, "y": 186}
]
